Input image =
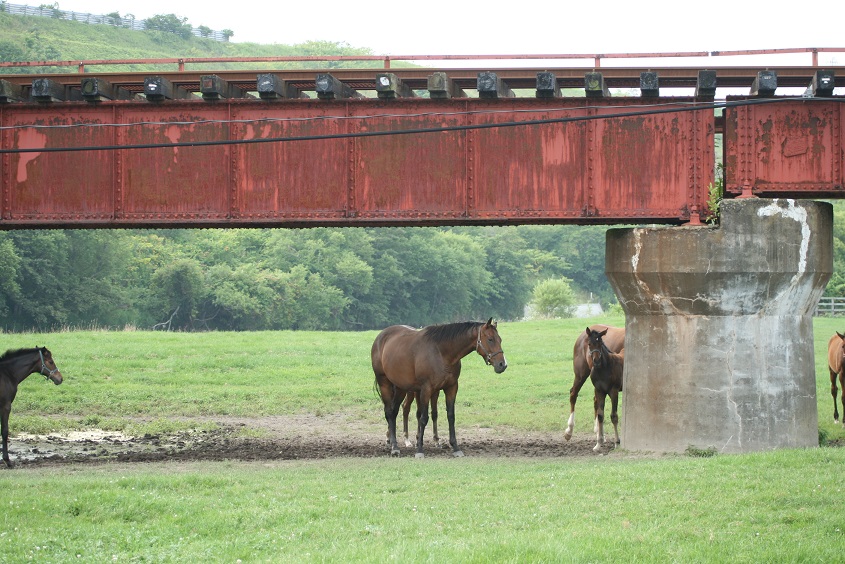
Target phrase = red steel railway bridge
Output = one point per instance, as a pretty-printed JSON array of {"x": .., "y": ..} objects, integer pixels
[
  {"x": 410, "y": 145},
  {"x": 724, "y": 315}
]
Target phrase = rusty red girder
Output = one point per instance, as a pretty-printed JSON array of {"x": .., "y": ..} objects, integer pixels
[
  {"x": 496, "y": 159},
  {"x": 458, "y": 161},
  {"x": 791, "y": 149}
]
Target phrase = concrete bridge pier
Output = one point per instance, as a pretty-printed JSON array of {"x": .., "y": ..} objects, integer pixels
[{"x": 719, "y": 341}]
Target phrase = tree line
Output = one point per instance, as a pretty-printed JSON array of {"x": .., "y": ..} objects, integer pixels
[
  {"x": 271, "y": 279},
  {"x": 319, "y": 278}
]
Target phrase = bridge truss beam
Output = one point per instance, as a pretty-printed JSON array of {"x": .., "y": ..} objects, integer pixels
[{"x": 208, "y": 155}]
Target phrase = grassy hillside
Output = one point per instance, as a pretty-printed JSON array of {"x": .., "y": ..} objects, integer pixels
[{"x": 29, "y": 38}]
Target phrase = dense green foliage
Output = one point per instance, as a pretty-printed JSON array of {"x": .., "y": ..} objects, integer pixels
[
  {"x": 169, "y": 23},
  {"x": 261, "y": 279},
  {"x": 836, "y": 286}
]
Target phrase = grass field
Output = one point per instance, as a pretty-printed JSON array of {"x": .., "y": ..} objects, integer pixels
[{"x": 762, "y": 507}]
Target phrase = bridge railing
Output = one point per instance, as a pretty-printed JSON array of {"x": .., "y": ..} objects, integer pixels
[{"x": 580, "y": 60}]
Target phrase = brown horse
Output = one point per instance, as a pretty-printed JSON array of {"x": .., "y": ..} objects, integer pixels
[
  {"x": 426, "y": 361},
  {"x": 606, "y": 376},
  {"x": 582, "y": 362},
  {"x": 836, "y": 366},
  {"x": 15, "y": 366}
]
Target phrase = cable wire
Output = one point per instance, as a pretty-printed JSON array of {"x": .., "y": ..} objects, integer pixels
[{"x": 656, "y": 110}]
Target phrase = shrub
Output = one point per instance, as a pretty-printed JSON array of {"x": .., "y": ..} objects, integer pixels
[{"x": 554, "y": 297}]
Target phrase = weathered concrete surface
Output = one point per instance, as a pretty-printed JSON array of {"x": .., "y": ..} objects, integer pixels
[{"x": 719, "y": 341}]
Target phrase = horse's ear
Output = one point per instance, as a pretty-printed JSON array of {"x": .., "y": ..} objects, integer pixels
[
  {"x": 841, "y": 336},
  {"x": 588, "y": 331},
  {"x": 603, "y": 333},
  {"x": 490, "y": 321}
]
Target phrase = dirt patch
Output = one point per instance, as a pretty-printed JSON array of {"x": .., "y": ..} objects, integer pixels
[{"x": 283, "y": 438}]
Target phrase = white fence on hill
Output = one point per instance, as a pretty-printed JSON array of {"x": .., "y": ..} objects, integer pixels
[{"x": 128, "y": 22}]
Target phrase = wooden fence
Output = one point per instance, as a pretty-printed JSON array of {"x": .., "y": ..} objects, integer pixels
[
  {"x": 128, "y": 22},
  {"x": 830, "y": 307}
]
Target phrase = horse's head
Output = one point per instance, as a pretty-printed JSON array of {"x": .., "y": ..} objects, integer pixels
[
  {"x": 595, "y": 345},
  {"x": 489, "y": 346},
  {"x": 48, "y": 366}
]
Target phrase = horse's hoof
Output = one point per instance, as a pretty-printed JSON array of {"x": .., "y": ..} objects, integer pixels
[
  {"x": 458, "y": 453},
  {"x": 394, "y": 452},
  {"x": 567, "y": 435},
  {"x": 597, "y": 448},
  {"x": 419, "y": 455}
]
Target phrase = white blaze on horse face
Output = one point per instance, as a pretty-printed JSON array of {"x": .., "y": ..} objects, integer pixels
[{"x": 500, "y": 367}]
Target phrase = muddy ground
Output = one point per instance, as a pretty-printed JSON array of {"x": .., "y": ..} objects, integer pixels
[{"x": 285, "y": 438}]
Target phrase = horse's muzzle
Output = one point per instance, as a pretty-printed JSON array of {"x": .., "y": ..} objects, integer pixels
[
  {"x": 56, "y": 378},
  {"x": 500, "y": 366}
]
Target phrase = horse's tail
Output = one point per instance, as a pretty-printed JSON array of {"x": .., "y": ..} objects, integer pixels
[
  {"x": 376, "y": 349},
  {"x": 376, "y": 390}
]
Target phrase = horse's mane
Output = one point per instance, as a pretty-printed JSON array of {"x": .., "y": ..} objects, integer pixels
[
  {"x": 449, "y": 331},
  {"x": 13, "y": 353}
]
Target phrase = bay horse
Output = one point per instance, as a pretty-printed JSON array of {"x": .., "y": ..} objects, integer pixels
[
  {"x": 582, "y": 362},
  {"x": 606, "y": 376},
  {"x": 15, "y": 366},
  {"x": 426, "y": 361},
  {"x": 836, "y": 366}
]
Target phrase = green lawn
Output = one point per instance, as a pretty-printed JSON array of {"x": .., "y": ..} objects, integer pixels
[{"x": 761, "y": 507}]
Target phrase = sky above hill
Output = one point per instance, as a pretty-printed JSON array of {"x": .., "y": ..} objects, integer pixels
[{"x": 493, "y": 28}]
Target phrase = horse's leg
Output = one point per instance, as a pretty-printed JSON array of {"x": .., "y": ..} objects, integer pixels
[
  {"x": 406, "y": 411},
  {"x": 573, "y": 397},
  {"x": 392, "y": 400},
  {"x": 614, "y": 418},
  {"x": 842, "y": 387},
  {"x": 598, "y": 404},
  {"x": 434, "y": 397},
  {"x": 423, "y": 398},
  {"x": 833, "y": 376},
  {"x": 4, "y": 431},
  {"x": 451, "y": 393}
]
